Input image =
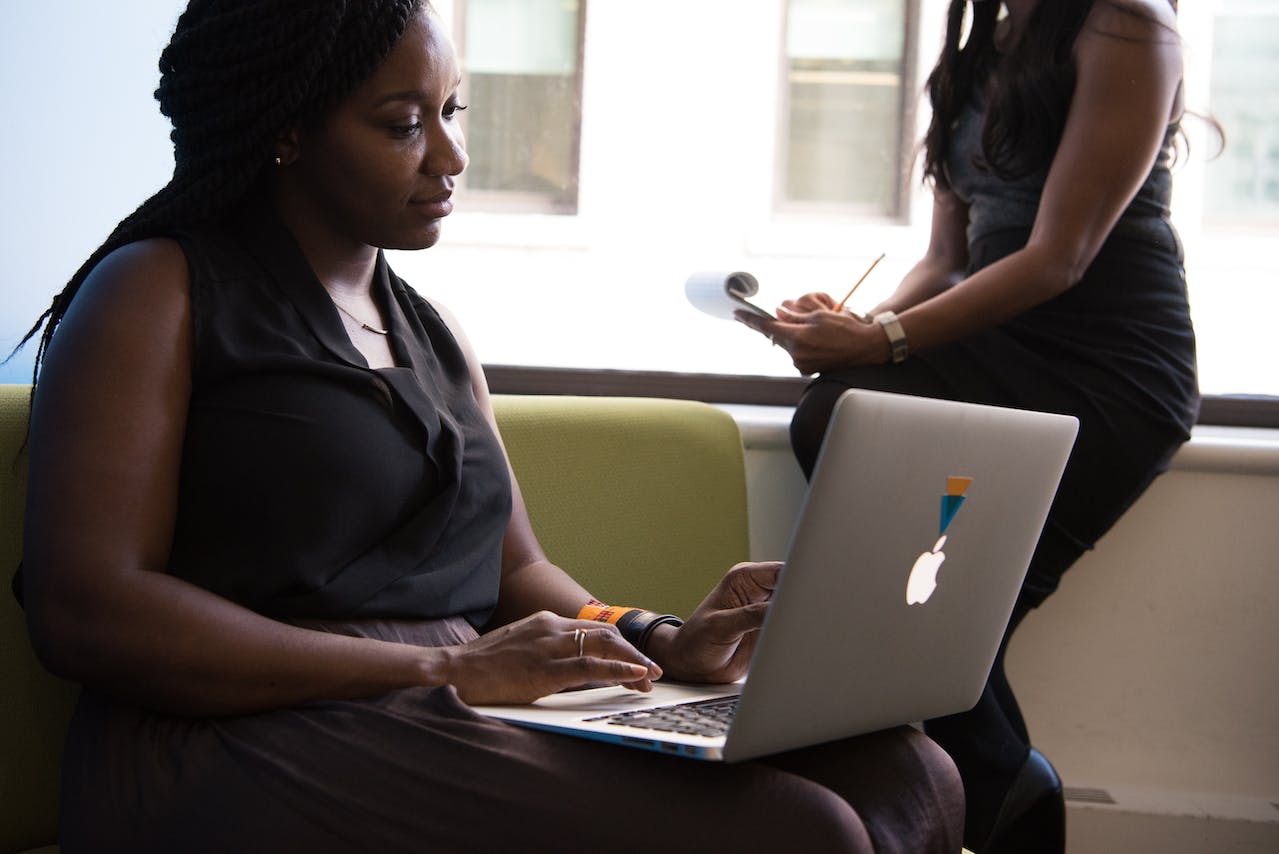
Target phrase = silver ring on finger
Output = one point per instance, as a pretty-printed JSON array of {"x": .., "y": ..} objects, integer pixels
[{"x": 579, "y": 635}]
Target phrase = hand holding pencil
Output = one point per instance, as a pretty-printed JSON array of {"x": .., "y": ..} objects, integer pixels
[
  {"x": 819, "y": 334},
  {"x": 840, "y": 305}
]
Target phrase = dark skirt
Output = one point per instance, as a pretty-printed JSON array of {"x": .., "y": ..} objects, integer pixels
[
  {"x": 417, "y": 770},
  {"x": 1117, "y": 351}
]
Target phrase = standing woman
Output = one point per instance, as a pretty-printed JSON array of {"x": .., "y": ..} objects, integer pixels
[
  {"x": 1053, "y": 281},
  {"x": 272, "y": 530}
]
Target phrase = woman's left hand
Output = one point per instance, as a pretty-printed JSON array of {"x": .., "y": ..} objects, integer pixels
[
  {"x": 819, "y": 338},
  {"x": 716, "y": 642}
]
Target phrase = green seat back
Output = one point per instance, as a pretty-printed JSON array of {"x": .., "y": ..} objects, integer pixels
[{"x": 642, "y": 500}]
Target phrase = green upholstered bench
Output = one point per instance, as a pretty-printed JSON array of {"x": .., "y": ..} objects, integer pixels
[{"x": 643, "y": 500}]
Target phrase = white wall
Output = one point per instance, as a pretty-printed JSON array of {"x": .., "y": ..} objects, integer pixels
[{"x": 84, "y": 141}]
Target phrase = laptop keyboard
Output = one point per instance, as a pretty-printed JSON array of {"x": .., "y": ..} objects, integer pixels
[{"x": 701, "y": 717}]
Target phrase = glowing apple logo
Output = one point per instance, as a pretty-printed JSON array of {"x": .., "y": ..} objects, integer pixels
[
  {"x": 923, "y": 575},
  {"x": 922, "y": 580}
]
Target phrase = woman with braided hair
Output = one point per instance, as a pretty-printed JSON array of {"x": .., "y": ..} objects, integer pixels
[{"x": 272, "y": 531}]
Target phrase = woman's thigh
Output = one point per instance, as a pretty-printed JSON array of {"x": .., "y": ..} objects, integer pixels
[
  {"x": 418, "y": 770},
  {"x": 812, "y": 414}
]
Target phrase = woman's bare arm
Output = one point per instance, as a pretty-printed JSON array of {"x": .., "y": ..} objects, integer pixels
[{"x": 944, "y": 261}]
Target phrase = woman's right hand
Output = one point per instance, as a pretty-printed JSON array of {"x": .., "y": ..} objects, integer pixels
[
  {"x": 821, "y": 339},
  {"x": 815, "y": 301},
  {"x": 539, "y": 655}
]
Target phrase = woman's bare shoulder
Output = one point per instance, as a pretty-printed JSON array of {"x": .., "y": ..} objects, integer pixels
[
  {"x": 157, "y": 262},
  {"x": 133, "y": 307},
  {"x": 151, "y": 271}
]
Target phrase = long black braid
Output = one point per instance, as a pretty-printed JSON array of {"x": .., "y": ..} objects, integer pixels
[{"x": 236, "y": 75}]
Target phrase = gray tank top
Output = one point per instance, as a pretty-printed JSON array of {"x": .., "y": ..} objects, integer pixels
[{"x": 995, "y": 204}]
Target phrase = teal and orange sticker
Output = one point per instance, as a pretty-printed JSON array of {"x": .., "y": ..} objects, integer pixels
[{"x": 956, "y": 488}]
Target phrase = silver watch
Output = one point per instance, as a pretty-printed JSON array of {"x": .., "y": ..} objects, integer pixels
[{"x": 896, "y": 335}]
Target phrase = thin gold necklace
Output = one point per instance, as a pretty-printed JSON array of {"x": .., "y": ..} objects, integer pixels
[{"x": 363, "y": 325}]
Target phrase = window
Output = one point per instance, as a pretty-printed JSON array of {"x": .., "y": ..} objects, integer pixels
[
  {"x": 1243, "y": 183},
  {"x": 615, "y": 152},
  {"x": 1227, "y": 207},
  {"x": 848, "y": 106},
  {"x": 522, "y": 66}
]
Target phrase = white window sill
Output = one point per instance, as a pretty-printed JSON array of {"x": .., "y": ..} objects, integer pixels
[{"x": 1224, "y": 450}]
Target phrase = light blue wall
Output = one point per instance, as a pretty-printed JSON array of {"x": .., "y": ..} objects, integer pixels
[{"x": 83, "y": 141}]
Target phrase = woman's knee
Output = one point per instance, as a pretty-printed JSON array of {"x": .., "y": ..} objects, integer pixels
[
  {"x": 813, "y": 818},
  {"x": 812, "y": 413},
  {"x": 924, "y": 811},
  {"x": 809, "y": 423},
  {"x": 904, "y": 789}
]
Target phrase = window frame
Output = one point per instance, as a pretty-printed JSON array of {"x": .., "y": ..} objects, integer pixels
[
  {"x": 1217, "y": 410},
  {"x": 513, "y": 202},
  {"x": 908, "y": 102},
  {"x": 1213, "y": 220}
]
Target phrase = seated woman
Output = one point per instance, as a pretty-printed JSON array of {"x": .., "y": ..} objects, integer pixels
[{"x": 273, "y": 532}]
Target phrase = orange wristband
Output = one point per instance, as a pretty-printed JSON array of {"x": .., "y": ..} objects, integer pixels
[
  {"x": 601, "y": 613},
  {"x": 635, "y": 624}
]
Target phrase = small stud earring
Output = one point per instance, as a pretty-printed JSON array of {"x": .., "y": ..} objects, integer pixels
[{"x": 279, "y": 161}]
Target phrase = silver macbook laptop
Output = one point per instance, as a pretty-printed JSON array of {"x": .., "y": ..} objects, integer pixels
[{"x": 908, "y": 554}]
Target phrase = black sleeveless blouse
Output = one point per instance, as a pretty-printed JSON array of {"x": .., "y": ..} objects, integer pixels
[{"x": 313, "y": 486}]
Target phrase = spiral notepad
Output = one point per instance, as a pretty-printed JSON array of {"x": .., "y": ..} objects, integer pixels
[{"x": 719, "y": 294}]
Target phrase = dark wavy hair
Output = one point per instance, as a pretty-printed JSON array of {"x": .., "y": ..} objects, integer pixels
[
  {"x": 234, "y": 77},
  {"x": 1028, "y": 89}
]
